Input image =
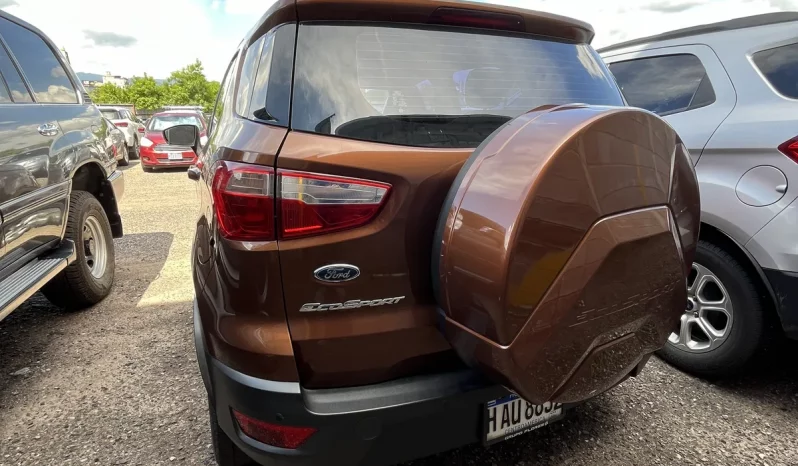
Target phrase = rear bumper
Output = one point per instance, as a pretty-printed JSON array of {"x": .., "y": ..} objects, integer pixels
[
  {"x": 785, "y": 287},
  {"x": 162, "y": 163},
  {"x": 130, "y": 138},
  {"x": 378, "y": 424}
]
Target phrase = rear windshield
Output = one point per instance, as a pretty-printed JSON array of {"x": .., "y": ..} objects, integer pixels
[
  {"x": 780, "y": 67},
  {"x": 160, "y": 123},
  {"x": 434, "y": 88},
  {"x": 110, "y": 114}
]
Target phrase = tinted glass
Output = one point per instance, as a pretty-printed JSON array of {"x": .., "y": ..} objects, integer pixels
[
  {"x": 258, "y": 108},
  {"x": 248, "y": 71},
  {"x": 12, "y": 79},
  {"x": 664, "y": 85},
  {"x": 780, "y": 67},
  {"x": 432, "y": 87},
  {"x": 111, "y": 114},
  {"x": 224, "y": 90},
  {"x": 160, "y": 123},
  {"x": 46, "y": 75},
  {"x": 5, "y": 97}
]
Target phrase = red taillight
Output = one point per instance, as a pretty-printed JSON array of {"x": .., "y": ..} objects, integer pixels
[
  {"x": 312, "y": 204},
  {"x": 790, "y": 149},
  {"x": 273, "y": 434},
  {"x": 244, "y": 201},
  {"x": 141, "y": 129},
  {"x": 477, "y": 19},
  {"x": 121, "y": 124}
]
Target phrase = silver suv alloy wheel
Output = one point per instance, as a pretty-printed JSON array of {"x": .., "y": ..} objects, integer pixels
[
  {"x": 708, "y": 317},
  {"x": 94, "y": 244}
]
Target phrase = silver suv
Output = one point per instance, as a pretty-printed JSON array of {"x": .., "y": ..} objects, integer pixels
[{"x": 730, "y": 89}]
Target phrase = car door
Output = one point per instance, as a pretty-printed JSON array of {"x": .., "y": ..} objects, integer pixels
[
  {"x": 34, "y": 199},
  {"x": 687, "y": 85}
]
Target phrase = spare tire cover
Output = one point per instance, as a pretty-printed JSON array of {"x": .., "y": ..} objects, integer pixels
[{"x": 563, "y": 247}]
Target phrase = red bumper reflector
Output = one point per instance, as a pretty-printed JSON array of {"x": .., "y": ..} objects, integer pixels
[{"x": 273, "y": 434}]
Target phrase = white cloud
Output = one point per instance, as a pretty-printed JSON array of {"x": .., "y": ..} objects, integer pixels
[
  {"x": 247, "y": 7},
  {"x": 169, "y": 35}
]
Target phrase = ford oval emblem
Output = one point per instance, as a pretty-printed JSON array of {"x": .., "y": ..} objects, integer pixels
[{"x": 335, "y": 273}]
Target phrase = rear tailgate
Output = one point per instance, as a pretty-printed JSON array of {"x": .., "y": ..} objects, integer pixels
[{"x": 402, "y": 107}]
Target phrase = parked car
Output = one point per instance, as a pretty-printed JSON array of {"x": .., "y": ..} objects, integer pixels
[
  {"x": 156, "y": 153},
  {"x": 58, "y": 183},
  {"x": 129, "y": 124},
  {"x": 115, "y": 144},
  {"x": 730, "y": 90},
  {"x": 380, "y": 259}
]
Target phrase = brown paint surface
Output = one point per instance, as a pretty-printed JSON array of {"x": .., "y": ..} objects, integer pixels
[{"x": 562, "y": 265}]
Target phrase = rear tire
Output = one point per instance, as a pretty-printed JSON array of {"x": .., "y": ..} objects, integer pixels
[
  {"x": 745, "y": 334},
  {"x": 125, "y": 157},
  {"x": 136, "y": 149},
  {"x": 224, "y": 450},
  {"x": 89, "y": 278}
]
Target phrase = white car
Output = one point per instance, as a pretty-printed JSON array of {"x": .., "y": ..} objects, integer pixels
[{"x": 129, "y": 124}]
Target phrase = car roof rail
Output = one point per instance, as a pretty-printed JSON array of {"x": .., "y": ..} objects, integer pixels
[{"x": 730, "y": 25}]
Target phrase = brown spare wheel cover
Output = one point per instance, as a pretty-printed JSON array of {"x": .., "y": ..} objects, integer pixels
[{"x": 562, "y": 250}]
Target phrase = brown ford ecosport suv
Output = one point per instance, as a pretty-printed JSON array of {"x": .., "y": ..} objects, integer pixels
[{"x": 424, "y": 224}]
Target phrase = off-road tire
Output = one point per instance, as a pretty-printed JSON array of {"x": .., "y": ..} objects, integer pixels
[
  {"x": 748, "y": 330},
  {"x": 224, "y": 450},
  {"x": 75, "y": 287}
]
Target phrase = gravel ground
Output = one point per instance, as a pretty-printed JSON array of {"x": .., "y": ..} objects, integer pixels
[{"x": 118, "y": 383}]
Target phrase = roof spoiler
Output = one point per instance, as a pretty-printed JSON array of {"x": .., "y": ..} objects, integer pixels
[{"x": 439, "y": 12}]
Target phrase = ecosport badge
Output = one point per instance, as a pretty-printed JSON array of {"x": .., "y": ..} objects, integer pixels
[
  {"x": 352, "y": 304},
  {"x": 335, "y": 273}
]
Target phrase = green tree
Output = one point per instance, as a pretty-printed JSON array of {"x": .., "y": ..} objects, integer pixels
[
  {"x": 213, "y": 91},
  {"x": 146, "y": 93},
  {"x": 186, "y": 86},
  {"x": 109, "y": 93}
]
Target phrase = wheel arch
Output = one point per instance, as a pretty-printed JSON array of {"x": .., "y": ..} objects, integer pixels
[
  {"x": 719, "y": 238},
  {"x": 90, "y": 177}
]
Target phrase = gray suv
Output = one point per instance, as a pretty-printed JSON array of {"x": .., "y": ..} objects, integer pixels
[
  {"x": 730, "y": 89},
  {"x": 59, "y": 182}
]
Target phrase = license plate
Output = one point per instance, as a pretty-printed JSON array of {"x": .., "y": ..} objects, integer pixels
[
  {"x": 175, "y": 155},
  {"x": 511, "y": 416}
]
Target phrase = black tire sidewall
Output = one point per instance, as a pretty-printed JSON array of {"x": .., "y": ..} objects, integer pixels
[
  {"x": 748, "y": 323},
  {"x": 86, "y": 205}
]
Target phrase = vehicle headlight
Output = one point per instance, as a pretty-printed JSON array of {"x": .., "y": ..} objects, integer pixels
[{"x": 146, "y": 142}]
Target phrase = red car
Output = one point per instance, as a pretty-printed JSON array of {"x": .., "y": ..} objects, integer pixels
[{"x": 156, "y": 153}]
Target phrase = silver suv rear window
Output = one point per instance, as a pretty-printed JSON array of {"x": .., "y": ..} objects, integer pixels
[
  {"x": 434, "y": 88},
  {"x": 780, "y": 67}
]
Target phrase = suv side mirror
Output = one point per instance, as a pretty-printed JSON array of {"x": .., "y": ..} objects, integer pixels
[{"x": 182, "y": 135}]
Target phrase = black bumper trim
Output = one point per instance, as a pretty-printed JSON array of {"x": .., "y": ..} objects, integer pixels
[
  {"x": 785, "y": 287},
  {"x": 379, "y": 424}
]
